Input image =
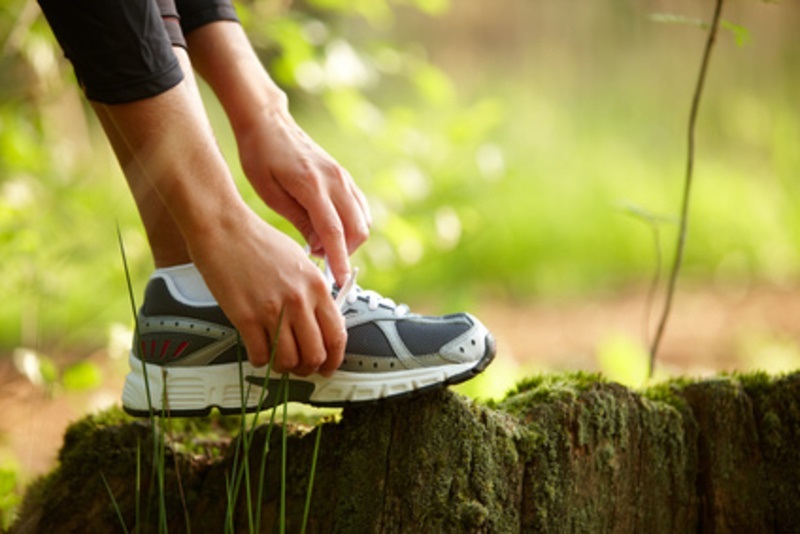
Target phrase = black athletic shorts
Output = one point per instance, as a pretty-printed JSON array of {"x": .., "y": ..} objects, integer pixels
[{"x": 121, "y": 50}]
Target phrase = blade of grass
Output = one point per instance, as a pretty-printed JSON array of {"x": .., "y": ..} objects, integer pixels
[
  {"x": 179, "y": 479},
  {"x": 285, "y": 387},
  {"x": 161, "y": 461},
  {"x": 114, "y": 503},
  {"x": 245, "y": 443},
  {"x": 228, "y": 515},
  {"x": 233, "y": 489},
  {"x": 310, "y": 490},
  {"x": 265, "y": 449},
  {"x": 264, "y": 454},
  {"x": 138, "y": 484},
  {"x": 246, "y": 437},
  {"x": 151, "y": 413},
  {"x": 135, "y": 314}
]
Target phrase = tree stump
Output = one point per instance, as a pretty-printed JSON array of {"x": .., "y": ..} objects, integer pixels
[{"x": 562, "y": 453}]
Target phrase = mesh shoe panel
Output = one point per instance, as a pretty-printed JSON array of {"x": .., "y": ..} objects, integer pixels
[
  {"x": 427, "y": 337},
  {"x": 368, "y": 339}
]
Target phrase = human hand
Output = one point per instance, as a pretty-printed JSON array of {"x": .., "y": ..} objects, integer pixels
[
  {"x": 299, "y": 180},
  {"x": 271, "y": 290}
]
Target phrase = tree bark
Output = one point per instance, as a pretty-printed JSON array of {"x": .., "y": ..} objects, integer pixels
[{"x": 562, "y": 453}]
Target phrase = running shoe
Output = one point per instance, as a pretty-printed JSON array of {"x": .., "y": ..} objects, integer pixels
[{"x": 187, "y": 359}]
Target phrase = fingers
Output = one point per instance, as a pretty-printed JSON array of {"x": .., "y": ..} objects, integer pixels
[
  {"x": 309, "y": 335},
  {"x": 334, "y": 334},
  {"x": 353, "y": 210},
  {"x": 308, "y": 344},
  {"x": 340, "y": 221},
  {"x": 321, "y": 340},
  {"x": 277, "y": 295},
  {"x": 333, "y": 218},
  {"x": 302, "y": 182},
  {"x": 256, "y": 343},
  {"x": 330, "y": 230}
]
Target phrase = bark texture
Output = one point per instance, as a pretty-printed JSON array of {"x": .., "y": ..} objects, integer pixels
[{"x": 562, "y": 453}]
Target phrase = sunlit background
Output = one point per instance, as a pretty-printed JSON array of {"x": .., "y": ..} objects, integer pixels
[{"x": 524, "y": 161}]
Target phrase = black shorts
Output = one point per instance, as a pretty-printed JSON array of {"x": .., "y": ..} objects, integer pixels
[{"x": 121, "y": 50}]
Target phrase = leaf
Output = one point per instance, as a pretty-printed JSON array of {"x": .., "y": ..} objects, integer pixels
[
  {"x": 81, "y": 376},
  {"x": 9, "y": 498},
  {"x": 645, "y": 215},
  {"x": 740, "y": 34}
]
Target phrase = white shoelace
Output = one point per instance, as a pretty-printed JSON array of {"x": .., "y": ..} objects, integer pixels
[{"x": 351, "y": 292}]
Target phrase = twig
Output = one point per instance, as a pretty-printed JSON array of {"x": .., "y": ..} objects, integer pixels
[{"x": 676, "y": 266}]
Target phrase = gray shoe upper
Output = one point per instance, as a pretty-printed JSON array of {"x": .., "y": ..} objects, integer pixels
[{"x": 382, "y": 337}]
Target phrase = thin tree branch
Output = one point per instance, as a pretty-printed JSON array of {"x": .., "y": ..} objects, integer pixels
[{"x": 687, "y": 188}]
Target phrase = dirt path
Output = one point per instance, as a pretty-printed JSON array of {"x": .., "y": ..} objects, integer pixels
[
  {"x": 33, "y": 419},
  {"x": 710, "y": 331}
]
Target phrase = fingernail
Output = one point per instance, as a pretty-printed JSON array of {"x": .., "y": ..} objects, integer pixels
[{"x": 313, "y": 241}]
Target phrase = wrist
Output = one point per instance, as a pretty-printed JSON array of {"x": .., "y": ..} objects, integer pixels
[
  {"x": 268, "y": 105},
  {"x": 224, "y": 57}
]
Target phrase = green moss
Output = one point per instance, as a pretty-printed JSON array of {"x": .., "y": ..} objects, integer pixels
[
  {"x": 113, "y": 416},
  {"x": 669, "y": 392},
  {"x": 757, "y": 382},
  {"x": 560, "y": 454},
  {"x": 473, "y": 515},
  {"x": 576, "y": 380},
  {"x": 608, "y": 455}
]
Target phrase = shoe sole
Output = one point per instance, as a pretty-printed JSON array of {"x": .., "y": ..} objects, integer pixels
[{"x": 195, "y": 391}]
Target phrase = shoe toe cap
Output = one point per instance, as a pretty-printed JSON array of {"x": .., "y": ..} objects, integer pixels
[{"x": 468, "y": 347}]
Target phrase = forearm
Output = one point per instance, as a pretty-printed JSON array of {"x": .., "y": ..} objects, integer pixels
[
  {"x": 290, "y": 172},
  {"x": 223, "y": 56},
  {"x": 177, "y": 154}
]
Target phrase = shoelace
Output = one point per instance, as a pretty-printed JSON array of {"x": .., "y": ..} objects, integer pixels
[{"x": 351, "y": 292}]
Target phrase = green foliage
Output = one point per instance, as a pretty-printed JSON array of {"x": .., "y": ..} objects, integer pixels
[
  {"x": 41, "y": 371},
  {"x": 9, "y": 497},
  {"x": 81, "y": 376}
]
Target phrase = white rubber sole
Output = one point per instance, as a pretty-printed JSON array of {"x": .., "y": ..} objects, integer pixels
[
  {"x": 191, "y": 391},
  {"x": 187, "y": 390}
]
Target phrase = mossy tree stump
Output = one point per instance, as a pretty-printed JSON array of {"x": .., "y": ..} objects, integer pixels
[{"x": 563, "y": 453}]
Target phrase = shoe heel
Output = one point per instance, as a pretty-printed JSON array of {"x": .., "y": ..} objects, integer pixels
[{"x": 189, "y": 391}]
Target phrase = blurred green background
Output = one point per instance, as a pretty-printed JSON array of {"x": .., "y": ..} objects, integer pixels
[{"x": 515, "y": 153}]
